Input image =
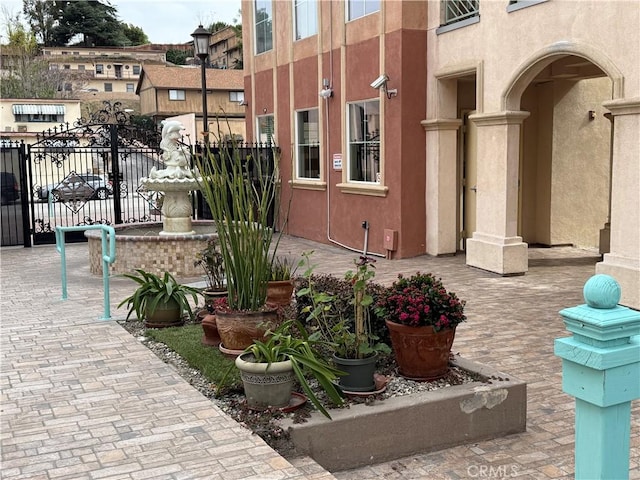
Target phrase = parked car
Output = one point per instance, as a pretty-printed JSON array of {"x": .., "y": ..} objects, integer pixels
[
  {"x": 9, "y": 188},
  {"x": 77, "y": 187}
]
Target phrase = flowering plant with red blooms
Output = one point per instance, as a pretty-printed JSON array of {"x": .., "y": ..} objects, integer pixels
[{"x": 421, "y": 300}]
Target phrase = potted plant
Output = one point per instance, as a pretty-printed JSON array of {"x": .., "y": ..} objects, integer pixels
[
  {"x": 268, "y": 369},
  {"x": 211, "y": 261},
  {"x": 355, "y": 346},
  {"x": 281, "y": 286},
  {"x": 241, "y": 194},
  {"x": 422, "y": 317},
  {"x": 159, "y": 300}
]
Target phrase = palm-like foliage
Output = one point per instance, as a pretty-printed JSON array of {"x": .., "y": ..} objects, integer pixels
[{"x": 154, "y": 290}]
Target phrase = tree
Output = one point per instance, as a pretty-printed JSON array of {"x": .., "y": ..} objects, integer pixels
[
  {"x": 215, "y": 26},
  {"x": 42, "y": 17},
  {"x": 178, "y": 57},
  {"x": 135, "y": 34}
]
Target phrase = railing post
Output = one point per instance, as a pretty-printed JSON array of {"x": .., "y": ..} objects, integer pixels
[{"x": 601, "y": 368}]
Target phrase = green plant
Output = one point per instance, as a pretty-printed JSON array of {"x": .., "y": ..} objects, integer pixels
[
  {"x": 281, "y": 345},
  {"x": 154, "y": 290},
  {"x": 211, "y": 261},
  {"x": 349, "y": 336},
  {"x": 241, "y": 193},
  {"x": 421, "y": 300},
  {"x": 282, "y": 268}
]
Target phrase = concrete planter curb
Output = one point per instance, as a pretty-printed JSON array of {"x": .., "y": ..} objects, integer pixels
[{"x": 417, "y": 423}]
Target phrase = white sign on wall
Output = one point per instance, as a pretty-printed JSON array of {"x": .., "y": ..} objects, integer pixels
[{"x": 337, "y": 161}]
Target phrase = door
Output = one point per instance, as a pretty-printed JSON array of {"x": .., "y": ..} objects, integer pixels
[{"x": 469, "y": 177}]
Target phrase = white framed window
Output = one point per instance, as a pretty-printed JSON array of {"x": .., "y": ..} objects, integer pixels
[
  {"x": 236, "y": 97},
  {"x": 364, "y": 141},
  {"x": 177, "y": 95},
  {"x": 99, "y": 68},
  {"x": 265, "y": 129},
  {"x": 263, "y": 17},
  {"x": 130, "y": 88},
  {"x": 305, "y": 18},
  {"x": 360, "y": 8},
  {"x": 308, "y": 144},
  {"x": 136, "y": 69},
  {"x": 108, "y": 87},
  {"x": 81, "y": 68}
]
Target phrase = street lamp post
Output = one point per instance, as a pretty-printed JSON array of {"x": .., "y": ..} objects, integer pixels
[{"x": 201, "y": 38}]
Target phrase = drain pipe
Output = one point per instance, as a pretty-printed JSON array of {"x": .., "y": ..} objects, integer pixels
[{"x": 365, "y": 225}]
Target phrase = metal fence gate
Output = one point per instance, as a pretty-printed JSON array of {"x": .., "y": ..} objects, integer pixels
[{"x": 90, "y": 174}]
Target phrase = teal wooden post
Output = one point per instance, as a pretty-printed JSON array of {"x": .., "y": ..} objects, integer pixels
[{"x": 601, "y": 368}]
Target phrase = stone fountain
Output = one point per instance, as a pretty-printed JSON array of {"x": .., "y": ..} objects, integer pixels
[
  {"x": 173, "y": 245},
  {"x": 176, "y": 181}
]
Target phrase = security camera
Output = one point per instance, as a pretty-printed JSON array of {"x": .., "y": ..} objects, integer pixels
[{"x": 380, "y": 81}]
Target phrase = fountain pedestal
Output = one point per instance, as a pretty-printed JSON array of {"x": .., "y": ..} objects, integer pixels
[{"x": 176, "y": 206}]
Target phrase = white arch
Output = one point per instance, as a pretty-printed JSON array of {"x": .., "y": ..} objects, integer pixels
[{"x": 528, "y": 70}]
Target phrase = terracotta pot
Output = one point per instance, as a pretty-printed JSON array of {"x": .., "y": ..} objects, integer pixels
[
  {"x": 211, "y": 336},
  {"x": 421, "y": 353},
  {"x": 280, "y": 292},
  {"x": 238, "y": 330}
]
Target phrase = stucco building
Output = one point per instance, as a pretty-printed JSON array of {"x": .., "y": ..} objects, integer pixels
[{"x": 476, "y": 126}]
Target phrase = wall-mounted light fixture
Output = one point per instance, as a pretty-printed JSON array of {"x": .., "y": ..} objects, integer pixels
[
  {"x": 380, "y": 83},
  {"x": 243, "y": 103},
  {"x": 326, "y": 93},
  {"x": 592, "y": 114}
]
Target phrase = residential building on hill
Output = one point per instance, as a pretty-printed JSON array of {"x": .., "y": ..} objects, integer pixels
[
  {"x": 225, "y": 49},
  {"x": 172, "y": 91},
  {"x": 469, "y": 126}
]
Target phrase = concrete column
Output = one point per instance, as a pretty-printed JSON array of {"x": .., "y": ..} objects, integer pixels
[
  {"x": 495, "y": 245},
  {"x": 601, "y": 368},
  {"x": 442, "y": 185},
  {"x": 623, "y": 259}
]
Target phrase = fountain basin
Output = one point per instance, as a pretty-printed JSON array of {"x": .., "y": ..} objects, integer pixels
[{"x": 140, "y": 245}]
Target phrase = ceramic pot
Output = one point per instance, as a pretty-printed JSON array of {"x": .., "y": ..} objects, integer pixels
[
  {"x": 266, "y": 385},
  {"x": 360, "y": 373},
  {"x": 238, "y": 330},
  {"x": 211, "y": 295},
  {"x": 280, "y": 292},
  {"x": 167, "y": 314},
  {"x": 421, "y": 353}
]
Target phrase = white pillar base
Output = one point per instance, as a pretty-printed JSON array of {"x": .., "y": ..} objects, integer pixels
[
  {"x": 506, "y": 256},
  {"x": 626, "y": 272}
]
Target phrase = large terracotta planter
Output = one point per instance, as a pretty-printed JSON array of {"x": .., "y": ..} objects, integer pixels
[
  {"x": 279, "y": 292},
  {"x": 238, "y": 330},
  {"x": 421, "y": 353},
  {"x": 266, "y": 385},
  {"x": 210, "y": 336}
]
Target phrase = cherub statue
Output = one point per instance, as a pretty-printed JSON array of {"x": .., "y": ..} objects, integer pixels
[{"x": 176, "y": 157}]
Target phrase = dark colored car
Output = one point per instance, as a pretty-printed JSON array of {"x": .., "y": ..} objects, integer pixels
[
  {"x": 77, "y": 187},
  {"x": 9, "y": 188}
]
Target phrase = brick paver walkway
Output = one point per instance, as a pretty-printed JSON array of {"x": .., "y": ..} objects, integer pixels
[{"x": 83, "y": 399}]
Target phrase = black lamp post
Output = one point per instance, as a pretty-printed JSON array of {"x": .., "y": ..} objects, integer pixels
[{"x": 201, "y": 47}]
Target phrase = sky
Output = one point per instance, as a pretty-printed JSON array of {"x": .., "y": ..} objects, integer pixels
[{"x": 167, "y": 21}]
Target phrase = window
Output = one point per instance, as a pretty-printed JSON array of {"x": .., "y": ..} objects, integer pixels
[
  {"x": 130, "y": 88},
  {"x": 263, "y": 22},
  {"x": 306, "y": 18},
  {"x": 81, "y": 68},
  {"x": 364, "y": 141},
  {"x": 99, "y": 68},
  {"x": 360, "y": 8},
  {"x": 67, "y": 67},
  {"x": 53, "y": 66},
  {"x": 236, "y": 97},
  {"x": 458, "y": 10},
  {"x": 266, "y": 130},
  {"x": 108, "y": 87},
  {"x": 308, "y": 144},
  {"x": 176, "y": 94},
  {"x": 38, "y": 113},
  {"x": 136, "y": 69},
  {"x": 68, "y": 87}
]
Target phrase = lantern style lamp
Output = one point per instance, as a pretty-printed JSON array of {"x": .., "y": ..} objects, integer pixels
[{"x": 201, "y": 39}]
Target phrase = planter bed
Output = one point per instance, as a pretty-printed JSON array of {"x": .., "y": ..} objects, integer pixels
[{"x": 420, "y": 422}]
